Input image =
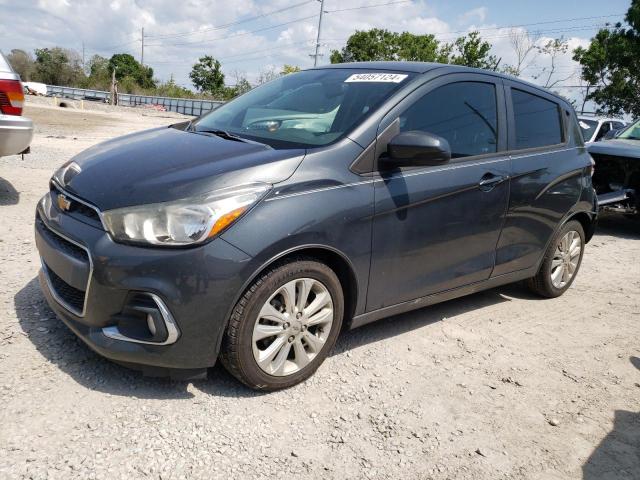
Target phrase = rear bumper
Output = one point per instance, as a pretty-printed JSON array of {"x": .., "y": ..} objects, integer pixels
[
  {"x": 16, "y": 134},
  {"x": 196, "y": 286}
]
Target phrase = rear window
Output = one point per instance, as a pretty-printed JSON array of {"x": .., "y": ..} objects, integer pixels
[
  {"x": 537, "y": 120},
  {"x": 588, "y": 128}
]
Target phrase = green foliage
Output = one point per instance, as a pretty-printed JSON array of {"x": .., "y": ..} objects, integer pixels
[
  {"x": 611, "y": 64},
  {"x": 99, "y": 74},
  {"x": 287, "y": 69},
  {"x": 472, "y": 51},
  {"x": 129, "y": 68},
  {"x": 172, "y": 89},
  {"x": 57, "y": 66},
  {"x": 22, "y": 63},
  {"x": 379, "y": 44},
  {"x": 207, "y": 76}
]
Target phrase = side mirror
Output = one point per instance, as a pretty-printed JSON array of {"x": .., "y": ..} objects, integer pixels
[{"x": 415, "y": 149}]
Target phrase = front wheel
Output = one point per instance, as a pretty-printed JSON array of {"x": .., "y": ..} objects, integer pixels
[
  {"x": 284, "y": 325},
  {"x": 561, "y": 262}
]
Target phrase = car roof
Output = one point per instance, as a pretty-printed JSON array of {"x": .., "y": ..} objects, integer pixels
[
  {"x": 583, "y": 116},
  {"x": 424, "y": 67}
]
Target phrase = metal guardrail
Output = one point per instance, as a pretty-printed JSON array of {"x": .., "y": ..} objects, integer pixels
[{"x": 186, "y": 106}]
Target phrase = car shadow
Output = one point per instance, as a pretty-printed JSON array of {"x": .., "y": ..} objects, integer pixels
[
  {"x": 618, "y": 226},
  {"x": 617, "y": 457},
  {"x": 8, "y": 194},
  {"x": 618, "y": 454},
  {"x": 58, "y": 345},
  {"x": 406, "y": 322}
]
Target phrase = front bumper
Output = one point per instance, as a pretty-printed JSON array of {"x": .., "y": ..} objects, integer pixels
[
  {"x": 16, "y": 133},
  {"x": 197, "y": 286}
]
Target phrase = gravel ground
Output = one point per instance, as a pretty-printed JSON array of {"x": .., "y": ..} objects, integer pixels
[{"x": 497, "y": 385}]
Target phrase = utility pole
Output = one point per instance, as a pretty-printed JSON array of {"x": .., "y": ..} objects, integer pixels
[
  {"x": 318, "y": 54},
  {"x": 142, "y": 49},
  {"x": 83, "y": 65}
]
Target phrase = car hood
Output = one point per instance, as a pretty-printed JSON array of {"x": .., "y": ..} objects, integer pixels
[
  {"x": 618, "y": 147},
  {"x": 165, "y": 164}
]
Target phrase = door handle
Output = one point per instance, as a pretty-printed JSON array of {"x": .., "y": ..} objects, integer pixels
[{"x": 490, "y": 180}]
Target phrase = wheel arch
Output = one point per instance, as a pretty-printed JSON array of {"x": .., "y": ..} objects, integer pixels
[
  {"x": 588, "y": 222},
  {"x": 333, "y": 258}
]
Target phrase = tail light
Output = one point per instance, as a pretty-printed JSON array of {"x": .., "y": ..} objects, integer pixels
[
  {"x": 11, "y": 97},
  {"x": 593, "y": 166}
]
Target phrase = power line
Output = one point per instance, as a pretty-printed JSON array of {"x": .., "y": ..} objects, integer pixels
[
  {"x": 368, "y": 6},
  {"x": 237, "y": 22},
  {"x": 235, "y": 56},
  {"x": 202, "y": 42}
]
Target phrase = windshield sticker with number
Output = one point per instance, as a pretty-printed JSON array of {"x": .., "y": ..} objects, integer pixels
[{"x": 376, "y": 77}]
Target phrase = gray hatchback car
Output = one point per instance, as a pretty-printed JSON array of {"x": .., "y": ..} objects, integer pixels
[{"x": 323, "y": 200}]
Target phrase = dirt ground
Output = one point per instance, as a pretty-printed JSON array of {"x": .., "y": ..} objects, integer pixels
[{"x": 497, "y": 385}]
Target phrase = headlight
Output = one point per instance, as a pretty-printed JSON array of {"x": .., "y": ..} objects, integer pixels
[{"x": 183, "y": 222}]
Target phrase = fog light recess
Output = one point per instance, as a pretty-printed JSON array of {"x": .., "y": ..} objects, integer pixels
[{"x": 145, "y": 318}]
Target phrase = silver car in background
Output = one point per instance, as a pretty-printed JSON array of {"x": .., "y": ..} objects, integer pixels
[
  {"x": 596, "y": 128},
  {"x": 16, "y": 131}
]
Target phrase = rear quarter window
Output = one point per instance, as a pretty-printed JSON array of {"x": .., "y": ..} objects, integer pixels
[{"x": 537, "y": 120}]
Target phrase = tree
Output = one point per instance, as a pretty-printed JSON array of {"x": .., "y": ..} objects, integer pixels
[
  {"x": 553, "y": 49},
  {"x": 57, "y": 66},
  {"x": 131, "y": 72},
  {"x": 207, "y": 76},
  {"x": 472, "y": 51},
  {"x": 524, "y": 46},
  {"x": 267, "y": 75},
  {"x": 99, "y": 73},
  {"x": 287, "y": 69},
  {"x": 380, "y": 44},
  {"x": 23, "y": 63},
  {"x": 611, "y": 65}
]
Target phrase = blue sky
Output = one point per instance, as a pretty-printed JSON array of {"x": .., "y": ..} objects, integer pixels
[{"x": 177, "y": 33}]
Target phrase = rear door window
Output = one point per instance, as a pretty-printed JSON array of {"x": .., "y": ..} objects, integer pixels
[
  {"x": 537, "y": 120},
  {"x": 464, "y": 113}
]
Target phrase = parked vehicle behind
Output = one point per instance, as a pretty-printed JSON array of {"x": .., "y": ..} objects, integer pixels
[
  {"x": 16, "y": 131},
  {"x": 596, "y": 128},
  {"x": 324, "y": 199},
  {"x": 617, "y": 172}
]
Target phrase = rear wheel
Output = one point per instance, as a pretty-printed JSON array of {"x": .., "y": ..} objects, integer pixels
[
  {"x": 284, "y": 325},
  {"x": 561, "y": 262}
]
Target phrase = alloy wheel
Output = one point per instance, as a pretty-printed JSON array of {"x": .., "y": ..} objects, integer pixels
[
  {"x": 292, "y": 327},
  {"x": 565, "y": 259}
]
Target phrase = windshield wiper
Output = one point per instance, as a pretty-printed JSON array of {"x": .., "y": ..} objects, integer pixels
[
  {"x": 226, "y": 135},
  {"x": 221, "y": 133}
]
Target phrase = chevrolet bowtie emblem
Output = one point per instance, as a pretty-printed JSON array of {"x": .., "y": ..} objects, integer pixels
[{"x": 64, "y": 203}]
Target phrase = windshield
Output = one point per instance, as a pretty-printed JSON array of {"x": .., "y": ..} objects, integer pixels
[
  {"x": 588, "y": 128},
  {"x": 305, "y": 109},
  {"x": 632, "y": 132}
]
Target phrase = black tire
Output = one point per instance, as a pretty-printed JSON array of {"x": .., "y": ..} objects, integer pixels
[
  {"x": 237, "y": 348},
  {"x": 541, "y": 283}
]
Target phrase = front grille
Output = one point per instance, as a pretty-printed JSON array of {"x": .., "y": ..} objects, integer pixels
[
  {"x": 70, "y": 296},
  {"x": 62, "y": 244},
  {"x": 78, "y": 210}
]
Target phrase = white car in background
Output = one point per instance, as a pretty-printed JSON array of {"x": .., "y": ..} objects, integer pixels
[
  {"x": 16, "y": 131},
  {"x": 595, "y": 128}
]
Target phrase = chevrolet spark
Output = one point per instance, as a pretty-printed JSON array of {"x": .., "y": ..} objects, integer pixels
[{"x": 323, "y": 200}]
